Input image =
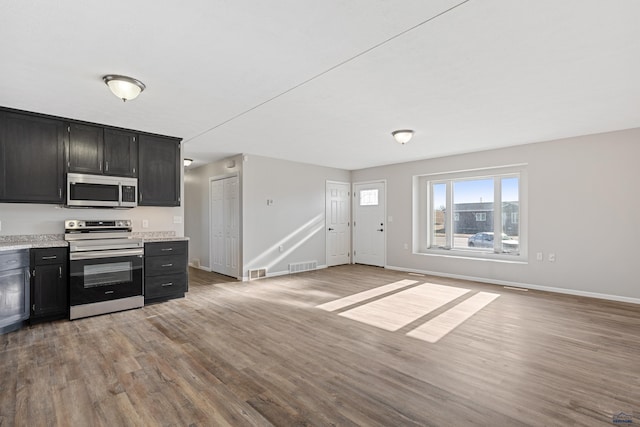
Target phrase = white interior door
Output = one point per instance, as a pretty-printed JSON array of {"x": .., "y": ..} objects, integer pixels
[
  {"x": 369, "y": 225},
  {"x": 225, "y": 229},
  {"x": 338, "y": 220}
]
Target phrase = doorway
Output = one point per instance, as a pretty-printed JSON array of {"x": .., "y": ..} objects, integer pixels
[
  {"x": 369, "y": 225},
  {"x": 224, "y": 247},
  {"x": 338, "y": 223}
]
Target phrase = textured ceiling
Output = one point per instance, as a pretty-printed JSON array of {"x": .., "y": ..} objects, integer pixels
[{"x": 326, "y": 82}]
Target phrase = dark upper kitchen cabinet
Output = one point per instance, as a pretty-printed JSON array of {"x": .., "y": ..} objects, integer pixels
[
  {"x": 120, "y": 153},
  {"x": 31, "y": 158},
  {"x": 86, "y": 146},
  {"x": 102, "y": 151},
  {"x": 159, "y": 171}
]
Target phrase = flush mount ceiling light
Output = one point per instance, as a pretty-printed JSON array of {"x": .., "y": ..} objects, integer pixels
[
  {"x": 402, "y": 136},
  {"x": 188, "y": 162},
  {"x": 125, "y": 88}
]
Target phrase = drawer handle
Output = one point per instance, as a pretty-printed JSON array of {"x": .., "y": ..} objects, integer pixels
[
  {"x": 167, "y": 265},
  {"x": 166, "y": 249},
  {"x": 12, "y": 261},
  {"x": 50, "y": 257},
  {"x": 164, "y": 285},
  {"x": 108, "y": 292}
]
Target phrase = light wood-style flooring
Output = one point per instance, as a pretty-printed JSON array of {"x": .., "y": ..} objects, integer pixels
[{"x": 263, "y": 353}]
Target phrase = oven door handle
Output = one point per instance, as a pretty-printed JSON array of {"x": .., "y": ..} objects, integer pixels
[{"x": 75, "y": 256}]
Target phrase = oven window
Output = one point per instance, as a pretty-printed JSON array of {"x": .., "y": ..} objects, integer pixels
[{"x": 108, "y": 274}]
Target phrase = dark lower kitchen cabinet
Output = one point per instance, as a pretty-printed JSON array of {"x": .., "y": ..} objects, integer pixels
[
  {"x": 49, "y": 284},
  {"x": 14, "y": 289},
  {"x": 31, "y": 158},
  {"x": 165, "y": 270},
  {"x": 159, "y": 171}
]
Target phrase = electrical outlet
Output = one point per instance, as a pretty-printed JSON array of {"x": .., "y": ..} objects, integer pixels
[
  {"x": 539, "y": 256},
  {"x": 145, "y": 223},
  {"x": 177, "y": 220},
  {"x": 281, "y": 248},
  {"x": 406, "y": 246}
]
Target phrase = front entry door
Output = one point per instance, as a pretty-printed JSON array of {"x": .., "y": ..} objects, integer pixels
[
  {"x": 225, "y": 229},
  {"x": 338, "y": 219},
  {"x": 369, "y": 223}
]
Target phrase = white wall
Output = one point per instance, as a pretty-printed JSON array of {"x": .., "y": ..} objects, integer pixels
[
  {"x": 196, "y": 201},
  {"x": 584, "y": 206},
  {"x": 27, "y": 218},
  {"x": 295, "y": 221}
]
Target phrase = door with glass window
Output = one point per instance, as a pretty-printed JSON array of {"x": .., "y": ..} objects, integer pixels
[{"x": 369, "y": 225}]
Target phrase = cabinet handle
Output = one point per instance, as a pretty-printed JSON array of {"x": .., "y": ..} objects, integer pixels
[
  {"x": 164, "y": 285},
  {"x": 167, "y": 265},
  {"x": 50, "y": 257},
  {"x": 166, "y": 249},
  {"x": 106, "y": 166},
  {"x": 59, "y": 192},
  {"x": 60, "y": 272},
  {"x": 108, "y": 292},
  {"x": 100, "y": 167},
  {"x": 33, "y": 308}
]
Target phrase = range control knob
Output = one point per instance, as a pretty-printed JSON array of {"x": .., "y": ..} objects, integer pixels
[{"x": 71, "y": 224}]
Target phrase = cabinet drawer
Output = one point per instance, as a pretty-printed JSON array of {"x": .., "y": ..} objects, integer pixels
[
  {"x": 161, "y": 286},
  {"x": 178, "y": 247},
  {"x": 168, "y": 264},
  {"x": 49, "y": 256},
  {"x": 14, "y": 259}
]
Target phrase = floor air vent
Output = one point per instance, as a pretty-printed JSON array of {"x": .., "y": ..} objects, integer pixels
[
  {"x": 257, "y": 274},
  {"x": 299, "y": 267}
]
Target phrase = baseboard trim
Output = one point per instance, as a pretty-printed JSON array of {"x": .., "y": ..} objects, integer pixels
[
  {"x": 200, "y": 267},
  {"x": 566, "y": 291},
  {"x": 280, "y": 273}
]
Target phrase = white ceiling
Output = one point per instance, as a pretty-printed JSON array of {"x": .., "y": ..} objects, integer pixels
[{"x": 325, "y": 82}]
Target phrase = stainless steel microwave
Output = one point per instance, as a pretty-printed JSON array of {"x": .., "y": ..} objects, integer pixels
[{"x": 101, "y": 191}]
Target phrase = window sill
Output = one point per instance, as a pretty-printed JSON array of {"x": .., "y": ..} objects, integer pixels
[{"x": 476, "y": 256}]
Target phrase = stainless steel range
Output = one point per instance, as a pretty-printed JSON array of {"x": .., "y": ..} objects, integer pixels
[{"x": 106, "y": 266}]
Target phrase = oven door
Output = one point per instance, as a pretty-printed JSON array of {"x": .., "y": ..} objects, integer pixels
[{"x": 105, "y": 276}]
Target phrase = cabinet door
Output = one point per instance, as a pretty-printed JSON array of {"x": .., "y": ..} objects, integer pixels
[
  {"x": 158, "y": 171},
  {"x": 85, "y": 149},
  {"x": 31, "y": 159},
  {"x": 14, "y": 297},
  {"x": 120, "y": 153},
  {"x": 49, "y": 290}
]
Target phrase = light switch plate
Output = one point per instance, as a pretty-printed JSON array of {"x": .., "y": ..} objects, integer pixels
[{"x": 177, "y": 220}]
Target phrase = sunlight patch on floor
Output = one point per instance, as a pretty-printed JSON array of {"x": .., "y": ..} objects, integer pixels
[
  {"x": 395, "y": 311},
  {"x": 363, "y": 296},
  {"x": 436, "y": 328}
]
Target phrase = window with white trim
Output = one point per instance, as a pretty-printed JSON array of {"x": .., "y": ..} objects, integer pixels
[{"x": 459, "y": 213}]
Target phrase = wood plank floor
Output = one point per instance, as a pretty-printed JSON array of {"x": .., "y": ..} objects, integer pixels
[{"x": 262, "y": 353}]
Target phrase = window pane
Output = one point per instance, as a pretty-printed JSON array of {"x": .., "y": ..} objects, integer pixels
[
  {"x": 473, "y": 205},
  {"x": 438, "y": 236},
  {"x": 510, "y": 215},
  {"x": 369, "y": 197}
]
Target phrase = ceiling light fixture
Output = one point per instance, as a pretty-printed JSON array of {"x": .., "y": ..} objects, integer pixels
[
  {"x": 125, "y": 88},
  {"x": 187, "y": 162},
  {"x": 402, "y": 136}
]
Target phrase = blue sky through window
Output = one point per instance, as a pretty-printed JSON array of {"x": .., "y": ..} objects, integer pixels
[{"x": 476, "y": 191}]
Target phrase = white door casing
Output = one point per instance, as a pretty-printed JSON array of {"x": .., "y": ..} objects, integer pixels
[
  {"x": 225, "y": 229},
  {"x": 369, "y": 225},
  {"x": 338, "y": 221}
]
